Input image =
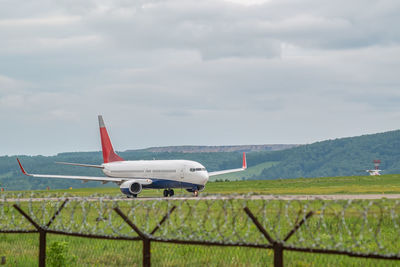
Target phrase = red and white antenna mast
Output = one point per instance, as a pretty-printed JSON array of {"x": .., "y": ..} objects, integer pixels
[{"x": 377, "y": 162}]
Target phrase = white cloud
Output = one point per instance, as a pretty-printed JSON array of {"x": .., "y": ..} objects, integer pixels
[
  {"x": 248, "y": 2},
  {"x": 190, "y": 72},
  {"x": 53, "y": 21},
  {"x": 7, "y": 84}
]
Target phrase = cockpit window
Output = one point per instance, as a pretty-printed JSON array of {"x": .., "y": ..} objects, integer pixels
[{"x": 197, "y": 169}]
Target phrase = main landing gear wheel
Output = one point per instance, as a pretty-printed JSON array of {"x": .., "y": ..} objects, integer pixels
[
  {"x": 196, "y": 193},
  {"x": 165, "y": 193},
  {"x": 168, "y": 192}
]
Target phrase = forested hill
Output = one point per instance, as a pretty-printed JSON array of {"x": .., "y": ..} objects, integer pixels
[
  {"x": 206, "y": 149},
  {"x": 339, "y": 157}
]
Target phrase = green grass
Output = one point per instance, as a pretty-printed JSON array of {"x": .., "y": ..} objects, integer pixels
[
  {"x": 213, "y": 220},
  {"x": 384, "y": 184},
  {"x": 21, "y": 249}
]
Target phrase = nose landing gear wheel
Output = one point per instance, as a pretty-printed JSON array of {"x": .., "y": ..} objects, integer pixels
[
  {"x": 171, "y": 192},
  {"x": 196, "y": 193}
]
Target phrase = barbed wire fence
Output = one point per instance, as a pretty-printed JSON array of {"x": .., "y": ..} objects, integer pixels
[{"x": 364, "y": 229}]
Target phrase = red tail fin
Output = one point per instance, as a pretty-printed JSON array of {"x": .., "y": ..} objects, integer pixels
[
  {"x": 108, "y": 151},
  {"x": 244, "y": 161}
]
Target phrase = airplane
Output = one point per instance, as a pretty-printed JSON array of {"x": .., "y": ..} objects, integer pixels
[
  {"x": 374, "y": 172},
  {"x": 133, "y": 176}
]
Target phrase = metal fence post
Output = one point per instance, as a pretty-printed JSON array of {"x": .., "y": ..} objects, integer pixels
[
  {"x": 146, "y": 253},
  {"x": 42, "y": 231},
  {"x": 145, "y": 237},
  {"x": 278, "y": 255},
  {"x": 42, "y": 236},
  {"x": 277, "y": 246},
  {"x": 42, "y": 248}
]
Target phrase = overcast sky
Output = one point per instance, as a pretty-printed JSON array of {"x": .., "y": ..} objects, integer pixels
[{"x": 195, "y": 72}]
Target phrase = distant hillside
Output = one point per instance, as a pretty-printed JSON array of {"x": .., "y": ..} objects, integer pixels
[
  {"x": 208, "y": 149},
  {"x": 339, "y": 157}
]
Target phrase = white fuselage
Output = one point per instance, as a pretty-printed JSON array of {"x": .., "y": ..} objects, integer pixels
[{"x": 182, "y": 171}]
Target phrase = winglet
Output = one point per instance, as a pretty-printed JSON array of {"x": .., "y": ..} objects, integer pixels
[
  {"x": 244, "y": 161},
  {"x": 22, "y": 168}
]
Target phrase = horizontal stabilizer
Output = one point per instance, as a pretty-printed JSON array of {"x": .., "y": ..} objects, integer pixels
[{"x": 81, "y": 165}]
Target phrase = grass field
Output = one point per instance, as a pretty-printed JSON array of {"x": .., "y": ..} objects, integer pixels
[
  {"x": 21, "y": 249},
  {"x": 384, "y": 184},
  {"x": 212, "y": 220}
]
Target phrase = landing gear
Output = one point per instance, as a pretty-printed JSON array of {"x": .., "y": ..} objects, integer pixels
[
  {"x": 132, "y": 196},
  {"x": 196, "y": 193},
  {"x": 168, "y": 192}
]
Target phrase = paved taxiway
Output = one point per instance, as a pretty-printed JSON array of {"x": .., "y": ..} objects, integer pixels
[{"x": 216, "y": 197}]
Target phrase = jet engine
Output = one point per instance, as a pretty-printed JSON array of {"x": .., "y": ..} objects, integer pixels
[{"x": 130, "y": 188}]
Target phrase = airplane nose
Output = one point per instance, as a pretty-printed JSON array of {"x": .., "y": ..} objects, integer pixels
[{"x": 205, "y": 177}]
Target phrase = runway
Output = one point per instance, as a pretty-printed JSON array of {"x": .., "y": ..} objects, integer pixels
[{"x": 219, "y": 197}]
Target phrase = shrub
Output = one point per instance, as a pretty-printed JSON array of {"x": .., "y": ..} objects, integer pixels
[{"x": 57, "y": 254}]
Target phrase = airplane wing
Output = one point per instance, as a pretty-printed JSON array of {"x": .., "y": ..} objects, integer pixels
[
  {"x": 86, "y": 178},
  {"x": 244, "y": 167},
  {"x": 225, "y": 171}
]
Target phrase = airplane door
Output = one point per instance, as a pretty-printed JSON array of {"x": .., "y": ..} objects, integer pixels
[{"x": 182, "y": 175}]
